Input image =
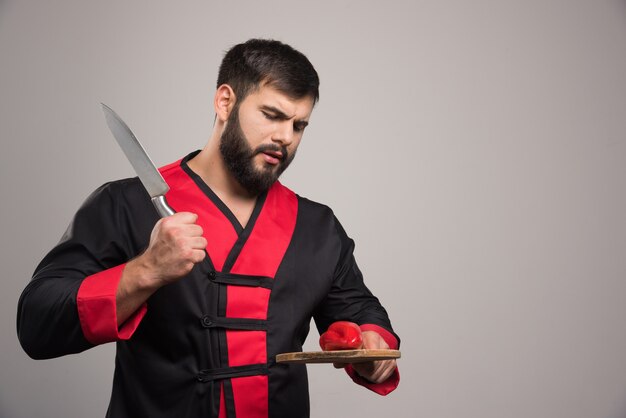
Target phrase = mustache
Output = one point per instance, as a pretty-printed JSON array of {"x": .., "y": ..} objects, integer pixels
[{"x": 272, "y": 147}]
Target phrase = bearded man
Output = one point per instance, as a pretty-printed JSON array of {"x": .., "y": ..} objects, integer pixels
[{"x": 200, "y": 303}]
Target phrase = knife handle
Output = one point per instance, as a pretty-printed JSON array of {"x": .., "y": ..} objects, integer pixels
[{"x": 162, "y": 207}]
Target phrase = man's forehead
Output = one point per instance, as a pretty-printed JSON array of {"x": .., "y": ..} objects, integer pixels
[{"x": 270, "y": 97}]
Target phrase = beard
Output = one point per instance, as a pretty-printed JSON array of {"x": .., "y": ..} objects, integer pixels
[{"x": 239, "y": 156}]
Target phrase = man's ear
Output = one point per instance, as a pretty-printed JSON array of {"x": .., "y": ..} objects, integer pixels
[{"x": 224, "y": 102}]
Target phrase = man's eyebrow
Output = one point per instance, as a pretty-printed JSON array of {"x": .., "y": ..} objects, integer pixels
[
  {"x": 277, "y": 112},
  {"x": 282, "y": 115}
]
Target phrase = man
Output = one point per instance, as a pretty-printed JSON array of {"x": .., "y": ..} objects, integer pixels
[{"x": 201, "y": 302}]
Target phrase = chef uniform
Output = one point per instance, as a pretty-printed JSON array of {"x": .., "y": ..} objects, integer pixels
[{"x": 205, "y": 345}]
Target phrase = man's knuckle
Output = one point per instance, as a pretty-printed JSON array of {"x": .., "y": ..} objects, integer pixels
[
  {"x": 199, "y": 256},
  {"x": 180, "y": 242}
]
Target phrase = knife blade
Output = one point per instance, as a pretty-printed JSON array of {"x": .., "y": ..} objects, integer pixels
[{"x": 150, "y": 177}]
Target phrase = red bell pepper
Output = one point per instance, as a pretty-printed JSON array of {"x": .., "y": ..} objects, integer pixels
[{"x": 341, "y": 335}]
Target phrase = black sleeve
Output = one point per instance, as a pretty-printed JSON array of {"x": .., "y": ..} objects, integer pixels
[
  {"x": 47, "y": 319},
  {"x": 349, "y": 299}
]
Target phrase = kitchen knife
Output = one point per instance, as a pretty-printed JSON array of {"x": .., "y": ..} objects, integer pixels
[{"x": 150, "y": 177}]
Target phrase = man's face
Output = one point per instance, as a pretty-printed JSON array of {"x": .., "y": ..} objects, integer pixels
[{"x": 262, "y": 135}]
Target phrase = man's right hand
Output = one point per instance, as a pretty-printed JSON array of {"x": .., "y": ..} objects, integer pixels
[{"x": 176, "y": 245}]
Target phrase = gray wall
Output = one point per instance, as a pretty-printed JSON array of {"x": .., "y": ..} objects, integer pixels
[{"x": 475, "y": 150}]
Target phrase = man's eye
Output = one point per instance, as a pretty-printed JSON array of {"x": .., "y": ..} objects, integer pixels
[
  {"x": 299, "y": 126},
  {"x": 270, "y": 116}
]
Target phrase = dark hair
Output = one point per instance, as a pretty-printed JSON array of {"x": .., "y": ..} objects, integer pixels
[{"x": 247, "y": 66}]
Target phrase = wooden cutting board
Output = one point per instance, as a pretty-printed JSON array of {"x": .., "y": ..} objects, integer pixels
[{"x": 337, "y": 356}]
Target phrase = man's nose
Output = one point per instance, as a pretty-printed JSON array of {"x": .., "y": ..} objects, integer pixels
[{"x": 284, "y": 133}]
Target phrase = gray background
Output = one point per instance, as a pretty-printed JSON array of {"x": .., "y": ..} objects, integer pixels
[{"x": 475, "y": 150}]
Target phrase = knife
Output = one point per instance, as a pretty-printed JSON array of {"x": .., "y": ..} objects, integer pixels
[{"x": 150, "y": 177}]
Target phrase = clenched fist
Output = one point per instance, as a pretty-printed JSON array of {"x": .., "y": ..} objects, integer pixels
[{"x": 176, "y": 245}]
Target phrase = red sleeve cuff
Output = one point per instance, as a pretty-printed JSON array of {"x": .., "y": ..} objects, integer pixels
[
  {"x": 389, "y": 385},
  {"x": 97, "y": 308}
]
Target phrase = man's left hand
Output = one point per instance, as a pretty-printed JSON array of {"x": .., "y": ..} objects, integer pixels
[{"x": 375, "y": 371}]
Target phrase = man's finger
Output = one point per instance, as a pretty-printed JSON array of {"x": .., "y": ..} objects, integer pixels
[
  {"x": 193, "y": 230},
  {"x": 198, "y": 243},
  {"x": 387, "y": 372},
  {"x": 382, "y": 372},
  {"x": 376, "y": 371},
  {"x": 182, "y": 217},
  {"x": 198, "y": 256}
]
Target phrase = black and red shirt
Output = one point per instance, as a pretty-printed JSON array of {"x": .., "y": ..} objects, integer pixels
[{"x": 205, "y": 345}]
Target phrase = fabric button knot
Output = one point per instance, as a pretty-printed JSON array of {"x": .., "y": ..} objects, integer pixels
[{"x": 206, "y": 321}]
